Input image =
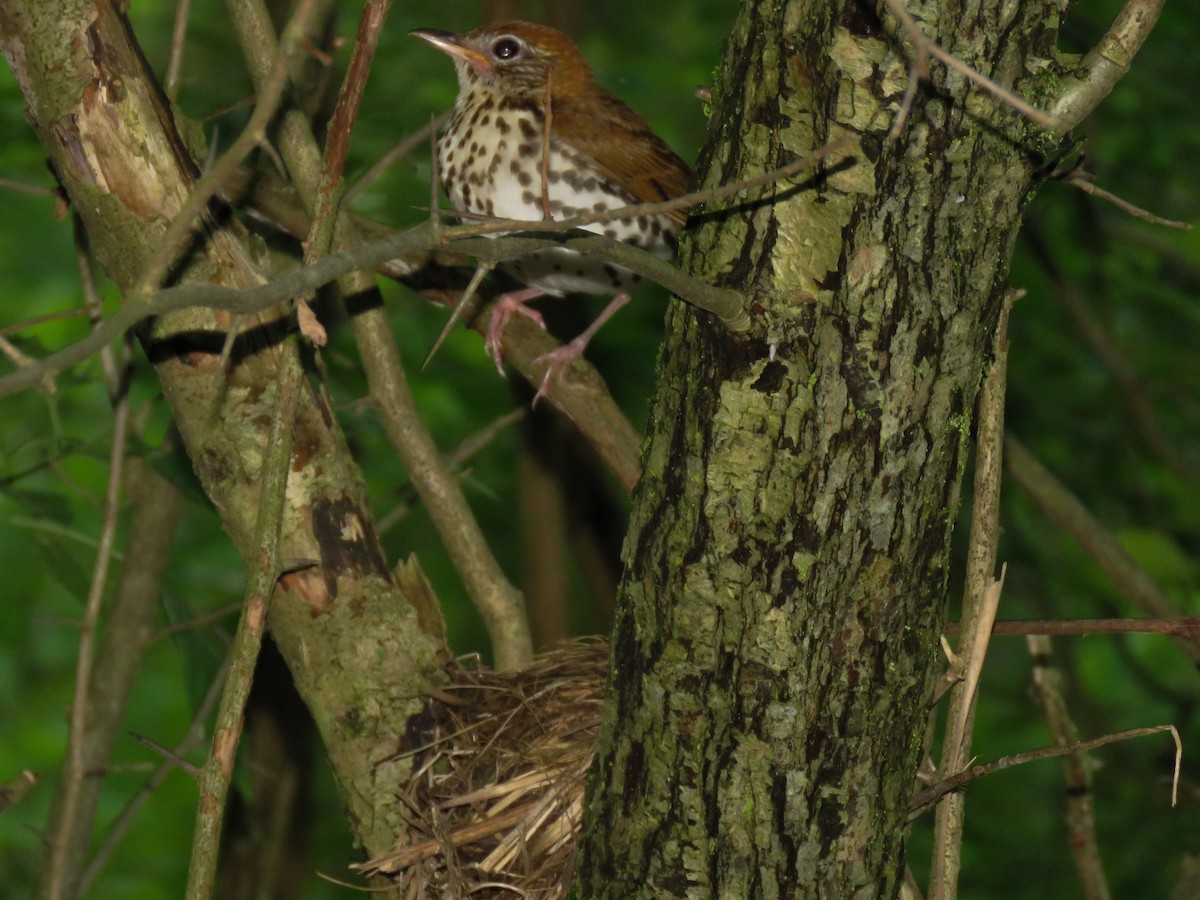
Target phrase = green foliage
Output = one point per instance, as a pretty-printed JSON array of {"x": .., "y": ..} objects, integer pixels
[{"x": 1138, "y": 283}]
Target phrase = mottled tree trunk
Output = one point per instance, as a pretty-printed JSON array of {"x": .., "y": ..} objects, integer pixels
[{"x": 787, "y": 560}]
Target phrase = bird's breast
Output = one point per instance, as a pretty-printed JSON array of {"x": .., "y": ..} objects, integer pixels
[{"x": 490, "y": 162}]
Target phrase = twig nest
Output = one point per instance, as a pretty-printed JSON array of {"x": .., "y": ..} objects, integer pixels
[{"x": 496, "y": 797}]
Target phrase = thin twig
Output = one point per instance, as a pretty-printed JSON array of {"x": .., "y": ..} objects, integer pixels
[
  {"x": 925, "y": 798},
  {"x": 76, "y": 768},
  {"x": 218, "y": 769},
  {"x": 547, "y": 123},
  {"x": 466, "y": 450},
  {"x": 474, "y": 443},
  {"x": 1133, "y": 392},
  {"x": 398, "y": 152},
  {"x": 34, "y": 321},
  {"x": 199, "y": 621},
  {"x": 337, "y": 147},
  {"x": 1081, "y": 179},
  {"x": 35, "y": 189},
  {"x": 1132, "y": 581},
  {"x": 1081, "y": 819},
  {"x": 435, "y": 180},
  {"x": 345, "y": 112},
  {"x": 844, "y": 145},
  {"x": 727, "y": 305},
  {"x": 1179, "y": 626},
  {"x": 981, "y": 598},
  {"x": 178, "y": 39},
  {"x": 481, "y": 271},
  {"x": 193, "y": 772},
  {"x": 120, "y": 826}
]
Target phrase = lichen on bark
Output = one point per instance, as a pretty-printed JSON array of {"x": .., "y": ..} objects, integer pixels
[{"x": 787, "y": 556}]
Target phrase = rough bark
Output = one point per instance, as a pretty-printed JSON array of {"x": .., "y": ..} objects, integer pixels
[
  {"x": 351, "y": 641},
  {"x": 787, "y": 558}
]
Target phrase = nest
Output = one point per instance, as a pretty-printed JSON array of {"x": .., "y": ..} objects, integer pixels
[{"x": 496, "y": 797}]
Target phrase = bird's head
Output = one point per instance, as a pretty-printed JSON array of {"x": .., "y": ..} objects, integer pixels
[{"x": 514, "y": 59}]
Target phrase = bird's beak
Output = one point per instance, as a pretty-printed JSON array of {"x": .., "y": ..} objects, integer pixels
[{"x": 453, "y": 45}]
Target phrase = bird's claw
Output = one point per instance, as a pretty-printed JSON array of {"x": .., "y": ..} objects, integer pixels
[
  {"x": 503, "y": 311},
  {"x": 556, "y": 362}
]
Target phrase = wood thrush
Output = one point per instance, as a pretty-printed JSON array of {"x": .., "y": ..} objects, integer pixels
[{"x": 495, "y": 158}]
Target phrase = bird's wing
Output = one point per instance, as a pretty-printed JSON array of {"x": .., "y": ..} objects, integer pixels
[{"x": 624, "y": 148}]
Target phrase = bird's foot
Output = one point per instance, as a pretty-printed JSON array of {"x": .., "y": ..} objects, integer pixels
[
  {"x": 513, "y": 302},
  {"x": 557, "y": 361}
]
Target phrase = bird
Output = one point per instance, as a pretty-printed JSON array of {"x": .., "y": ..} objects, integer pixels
[{"x": 533, "y": 137}]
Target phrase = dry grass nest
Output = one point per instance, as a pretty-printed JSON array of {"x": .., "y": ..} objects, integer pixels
[{"x": 496, "y": 796}]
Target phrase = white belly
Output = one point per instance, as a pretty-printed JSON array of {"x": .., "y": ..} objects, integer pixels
[{"x": 503, "y": 180}]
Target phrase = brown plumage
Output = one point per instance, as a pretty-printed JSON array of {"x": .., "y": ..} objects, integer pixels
[{"x": 602, "y": 155}]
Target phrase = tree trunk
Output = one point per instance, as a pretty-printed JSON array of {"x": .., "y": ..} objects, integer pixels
[
  {"x": 347, "y": 632},
  {"x": 786, "y": 582}
]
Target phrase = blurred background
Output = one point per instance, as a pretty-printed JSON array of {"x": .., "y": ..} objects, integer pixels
[{"x": 1104, "y": 390}]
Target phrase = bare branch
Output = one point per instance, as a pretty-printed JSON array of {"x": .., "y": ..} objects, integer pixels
[
  {"x": 401, "y": 150},
  {"x": 1081, "y": 819},
  {"x": 218, "y": 769},
  {"x": 1083, "y": 180},
  {"x": 1131, "y": 580},
  {"x": 1179, "y": 626},
  {"x": 269, "y": 95},
  {"x": 1105, "y": 64},
  {"x": 55, "y": 869},
  {"x": 120, "y": 826},
  {"x": 727, "y": 305},
  {"x": 129, "y": 621},
  {"x": 981, "y": 598},
  {"x": 932, "y": 794},
  {"x": 178, "y": 39}
]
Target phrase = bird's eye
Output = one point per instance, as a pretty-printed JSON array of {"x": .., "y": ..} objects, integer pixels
[{"x": 506, "y": 48}]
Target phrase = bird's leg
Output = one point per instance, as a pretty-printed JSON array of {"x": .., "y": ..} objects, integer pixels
[
  {"x": 512, "y": 302},
  {"x": 558, "y": 360}
]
